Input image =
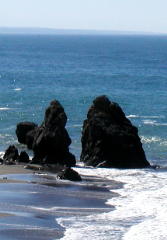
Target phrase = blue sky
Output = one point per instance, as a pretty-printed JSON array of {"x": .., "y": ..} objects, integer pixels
[{"x": 126, "y": 15}]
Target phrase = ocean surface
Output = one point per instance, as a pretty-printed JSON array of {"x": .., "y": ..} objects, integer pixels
[{"x": 130, "y": 70}]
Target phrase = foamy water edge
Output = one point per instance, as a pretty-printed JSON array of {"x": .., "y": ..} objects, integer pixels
[{"x": 142, "y": 203}]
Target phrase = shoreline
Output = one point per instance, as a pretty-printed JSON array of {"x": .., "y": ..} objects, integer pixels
[
  {"x": 7, "y": 170},
  {"x": 37, "y": 198},
  {"x": 14, "y": 169}
]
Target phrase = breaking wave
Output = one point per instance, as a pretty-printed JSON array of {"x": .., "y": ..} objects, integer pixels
[{"x": 149, "y": 117}]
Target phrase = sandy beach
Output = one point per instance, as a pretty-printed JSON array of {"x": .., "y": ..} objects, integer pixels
[
  {"x": 31, "y": 201},
  {"x": 13, "y": 169}
]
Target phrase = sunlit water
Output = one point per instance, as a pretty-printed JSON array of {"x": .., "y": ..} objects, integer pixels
[{"x": 130, "y": 70}]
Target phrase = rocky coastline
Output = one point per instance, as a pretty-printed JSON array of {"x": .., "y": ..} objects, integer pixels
[{"x": 108, "y": 139}]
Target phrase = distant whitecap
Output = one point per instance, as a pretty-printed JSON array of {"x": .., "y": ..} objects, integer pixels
[
  {"x": 77, "y": 125},
  {"x": 4, "y": 108},
  {"x": 151, "y": 117},
  {"x": 158, "y": 116},
  {"x": 133, "y": 116},
  {"x": 150, "y": 139},
  {"x": 153, "y": 123},
  {"x": 17, "y": 89},
  {"x": 149, "y": 122}
]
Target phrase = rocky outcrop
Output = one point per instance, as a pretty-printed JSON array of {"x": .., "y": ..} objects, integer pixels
[
  {"x": 11, "y": 155},
  {"x": 30, "y": 138},
  {"x": 51, "y": 140},
  {"x": 1, "y": 161},
  {"x": 109, "y": 139},
  {"x": 22, "y": 129},
  {"x": 23, "y": 157},
  {"x": 69, "y": 174}
]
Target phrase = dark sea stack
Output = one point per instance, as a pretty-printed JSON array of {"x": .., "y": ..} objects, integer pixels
[
  {"x": 23, "y": 158},
  {"x": 51, "y": 141},
  {"x": 1, "y": 161},
  {"x": 11, "y": 155},
  {"x": 22, "y": 130},
  {"x": 30, "y": 138},
  {"x": 69, "y": 174},
  {"x": 109, "y": 139}
]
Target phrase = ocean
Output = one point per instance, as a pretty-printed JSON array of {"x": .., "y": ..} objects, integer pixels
[{"x": 130, "y": 70}]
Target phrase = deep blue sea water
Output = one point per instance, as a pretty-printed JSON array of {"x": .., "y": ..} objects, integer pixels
[{"x": 130, "y": 70}]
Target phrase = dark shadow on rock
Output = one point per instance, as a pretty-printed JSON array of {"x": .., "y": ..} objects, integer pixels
[
  {"x": 51, "y": 140},
  {"x": 69, "y": 174},
  {"x": 11, "y": 155},
  {"x": 22, "y": 129},
  {"x": 23, "y": 157},
  {"x": 109, "y": 139}
]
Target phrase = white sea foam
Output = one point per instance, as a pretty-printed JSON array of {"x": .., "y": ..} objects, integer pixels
[
  {"x": 149, "y": 117},
  {"x": 150, "y": 139},
  {"x": 147, "y": 201},
  {"x": 55, "y": 209},
  {"x": 1, "y": 154},
  {"x": 153, "y": 122},
  {"x": 154, "y": 116},
  {"x": 163, "y": 143},
  {"x": 4, "y": 108},
  {"x": 153, "y": 139},
  {"x": 75, "y": 126},
  {"x": 161, "y": 124},
  {"x": 2, "y": 136},
  {"x": 149, "y": 122},
  {"x": 25, "y": 227},
  {"x": 17, "y": 89},
  {"x": 133, "y": 116},
  {"x": 140, "y": 212}
]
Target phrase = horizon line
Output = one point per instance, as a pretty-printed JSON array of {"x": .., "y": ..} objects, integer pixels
[{"x": 50, "y": 30}]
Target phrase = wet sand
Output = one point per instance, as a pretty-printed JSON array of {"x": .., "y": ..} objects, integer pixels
[
  {"x": 14, "y": 169},
  {"x": 5, "y": 214},
  {"x": 6, "y": 170},
  {"x": 31, "y": 201}
]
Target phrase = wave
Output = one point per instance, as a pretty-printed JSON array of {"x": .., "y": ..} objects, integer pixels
[
  {"x": 133, "y": 116},
  {"x": 17, "y": 89},
  {"x": 141, "y": 203},
  {"x": 163, "y": 143},
  {"x": 65, "y": 209},
  {"x": 75, "y": 126},
  {"x": 153, "y": 123},
  {"x": 2, "y": 154},
  {"x": 143, "y": 116},
  {"x": 4, "y": 108},
  {"x": 149, "y": 122},
  {"x": 154, "y": 139}
]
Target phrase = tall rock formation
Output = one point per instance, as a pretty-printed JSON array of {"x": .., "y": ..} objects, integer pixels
[
  {"x": 109, "y": 139},
  {"x": 50, "y": 141}
]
